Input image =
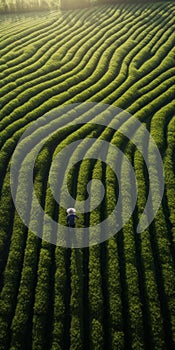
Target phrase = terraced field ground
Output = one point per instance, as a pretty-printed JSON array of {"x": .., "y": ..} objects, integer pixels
[{"x": 119, "y": 294}]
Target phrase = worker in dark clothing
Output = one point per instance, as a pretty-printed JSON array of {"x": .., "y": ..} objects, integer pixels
[{"x": 71, "y": 217}]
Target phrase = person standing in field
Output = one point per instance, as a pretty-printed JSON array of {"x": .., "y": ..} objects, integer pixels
[{"x": 71, "y": 216}]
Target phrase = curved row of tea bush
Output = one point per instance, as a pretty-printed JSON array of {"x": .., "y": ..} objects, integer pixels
[{"x": 119, "y": 294}]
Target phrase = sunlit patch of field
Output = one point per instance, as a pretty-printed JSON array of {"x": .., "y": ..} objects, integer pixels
[{"x": 120, "y": 294}]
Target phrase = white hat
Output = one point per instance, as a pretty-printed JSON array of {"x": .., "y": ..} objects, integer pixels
[{"x": 71, "y": 210}]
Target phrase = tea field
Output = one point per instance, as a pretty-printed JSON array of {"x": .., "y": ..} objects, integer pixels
[{"x": 119, "y": 294}]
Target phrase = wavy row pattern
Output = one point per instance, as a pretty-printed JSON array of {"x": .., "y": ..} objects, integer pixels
[{"x": 120, "y": 294}]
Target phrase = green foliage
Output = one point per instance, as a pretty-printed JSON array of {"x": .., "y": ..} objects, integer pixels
[
  {"x": 76, "y": 301},
  {"x": 119, "y": 294}
]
